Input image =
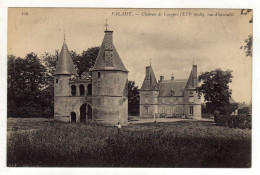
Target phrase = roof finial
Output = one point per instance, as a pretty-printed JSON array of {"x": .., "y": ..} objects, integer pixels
[
  {"x": 193, "y": 62},
  {"x": 106, "y": 24},
  {"x": 64, "y": 36},
  {"x": 150, "y": 61}
]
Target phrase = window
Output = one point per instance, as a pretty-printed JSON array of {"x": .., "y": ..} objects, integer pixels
[
  {"x": 57, "y": 80},
  {"x": 191, "y": 110},
  {"x": 81, "y": 89},
  {"x": 171, "y": 92},
  {"x": 89, "y": 89},
  {"x": 146, "y": 110},
  {"x": 99, "y": 74},
  {"x": 73, "y": 90},
  {"x": 146, "y": 98}
]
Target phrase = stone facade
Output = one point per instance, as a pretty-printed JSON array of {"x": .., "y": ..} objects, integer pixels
[
  {"x": 110, "y": 103},
  {"x": 68, "y": 101},
  {"x": 100, "y": 96},
  {"x": 170, "y": 98}
]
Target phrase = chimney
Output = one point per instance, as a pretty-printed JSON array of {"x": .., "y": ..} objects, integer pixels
[
  {"x": 194, "y": 74},
  {"x": 172, "y": 77},
  {"x": 161, "y": 78}
]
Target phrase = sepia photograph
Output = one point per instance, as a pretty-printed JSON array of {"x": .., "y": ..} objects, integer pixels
[{"x": 129, "y": 87}]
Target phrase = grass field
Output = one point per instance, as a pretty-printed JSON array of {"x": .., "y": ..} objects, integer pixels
[{"x": 45, "y": 143}]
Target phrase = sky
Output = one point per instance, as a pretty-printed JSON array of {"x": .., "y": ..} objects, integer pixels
[{"x": 173, "y": 42}]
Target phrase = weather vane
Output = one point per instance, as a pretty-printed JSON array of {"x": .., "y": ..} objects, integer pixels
[
  {"x": 106, "y": 24},
  {"x": 150, "y": 61}
]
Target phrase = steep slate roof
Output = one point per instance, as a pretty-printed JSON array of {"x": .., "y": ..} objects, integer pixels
[
  {"x": 100, "y": 61},
  {"x": 150, "y": 83},
  {"x": 190, "y": 82},
  {"x": 65, "y": 65},
  {"x": 166, "y": 86}
]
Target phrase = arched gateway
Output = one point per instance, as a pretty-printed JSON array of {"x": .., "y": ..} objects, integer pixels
[{"x": 85, "y": 113}]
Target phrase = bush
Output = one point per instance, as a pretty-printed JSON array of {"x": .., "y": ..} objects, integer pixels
[
  {"x": 234, "y": 121},
  {"x": 207, "y": 116}
]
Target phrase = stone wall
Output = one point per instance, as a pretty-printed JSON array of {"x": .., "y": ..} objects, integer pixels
[
  {"x": 111, "y": 83},
  {"x": 196, "y": 103},
  {"x": 148, "y": 103},
  {"x": 63, "y": 106},
  {"x": 109, "y": 101},
  {"x": 64, "y": 102},
  {"x": 61, "y": 85},
  {"x": 170, "y": 109}
]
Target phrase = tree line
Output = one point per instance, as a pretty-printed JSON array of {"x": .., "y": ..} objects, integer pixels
[{"x": 30, "y": 90}]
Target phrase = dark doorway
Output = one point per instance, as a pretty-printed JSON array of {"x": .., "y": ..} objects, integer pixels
[
  {"x": 82, "y": 89},
  {"x": 90, "y": 89},
  {"x": 73, "y": 117},
  {"x": 85, "y": 113}
]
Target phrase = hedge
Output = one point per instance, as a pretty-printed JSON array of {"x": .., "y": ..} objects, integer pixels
[{"x": 234, "y": 121}]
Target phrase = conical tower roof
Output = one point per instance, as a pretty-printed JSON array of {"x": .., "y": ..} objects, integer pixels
[
  {"x": 65, "y": 65},
  {"x": 150, "y": 82},
  {"x": 108, "y": 58},
  {"x": 192, "y": 81},
  {"x": 189, "y": 84}
]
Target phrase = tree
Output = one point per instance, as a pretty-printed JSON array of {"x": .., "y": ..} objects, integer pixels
[
  {"x": 249, "y": 41},
  {"x": 215, "y": 89},
  {"x": 86, "y": 60},
  {"x": 50, "y": 61},
  {"x": 26, "y": 80},
  {"x": 133, "y": 99},
  {"x": 229, "y": 109},
  {"x": 248, "y": 46}
]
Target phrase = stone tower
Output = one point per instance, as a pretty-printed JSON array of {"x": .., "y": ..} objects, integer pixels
[
  {"x": 109, "y": 83},
  {"x": 65, "y": 70},
  {"x": 148, "y": 94},
  {"x": 191, "y": 99}
]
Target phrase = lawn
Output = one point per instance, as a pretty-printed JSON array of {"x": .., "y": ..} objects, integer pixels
[{"x": 45, "y": 143}]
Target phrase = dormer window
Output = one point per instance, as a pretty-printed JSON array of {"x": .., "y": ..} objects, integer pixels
[
  {"x": 191, "y": 99},
  {"x": 146, "y": 98},
  {"x": 172, "y": 92}
]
